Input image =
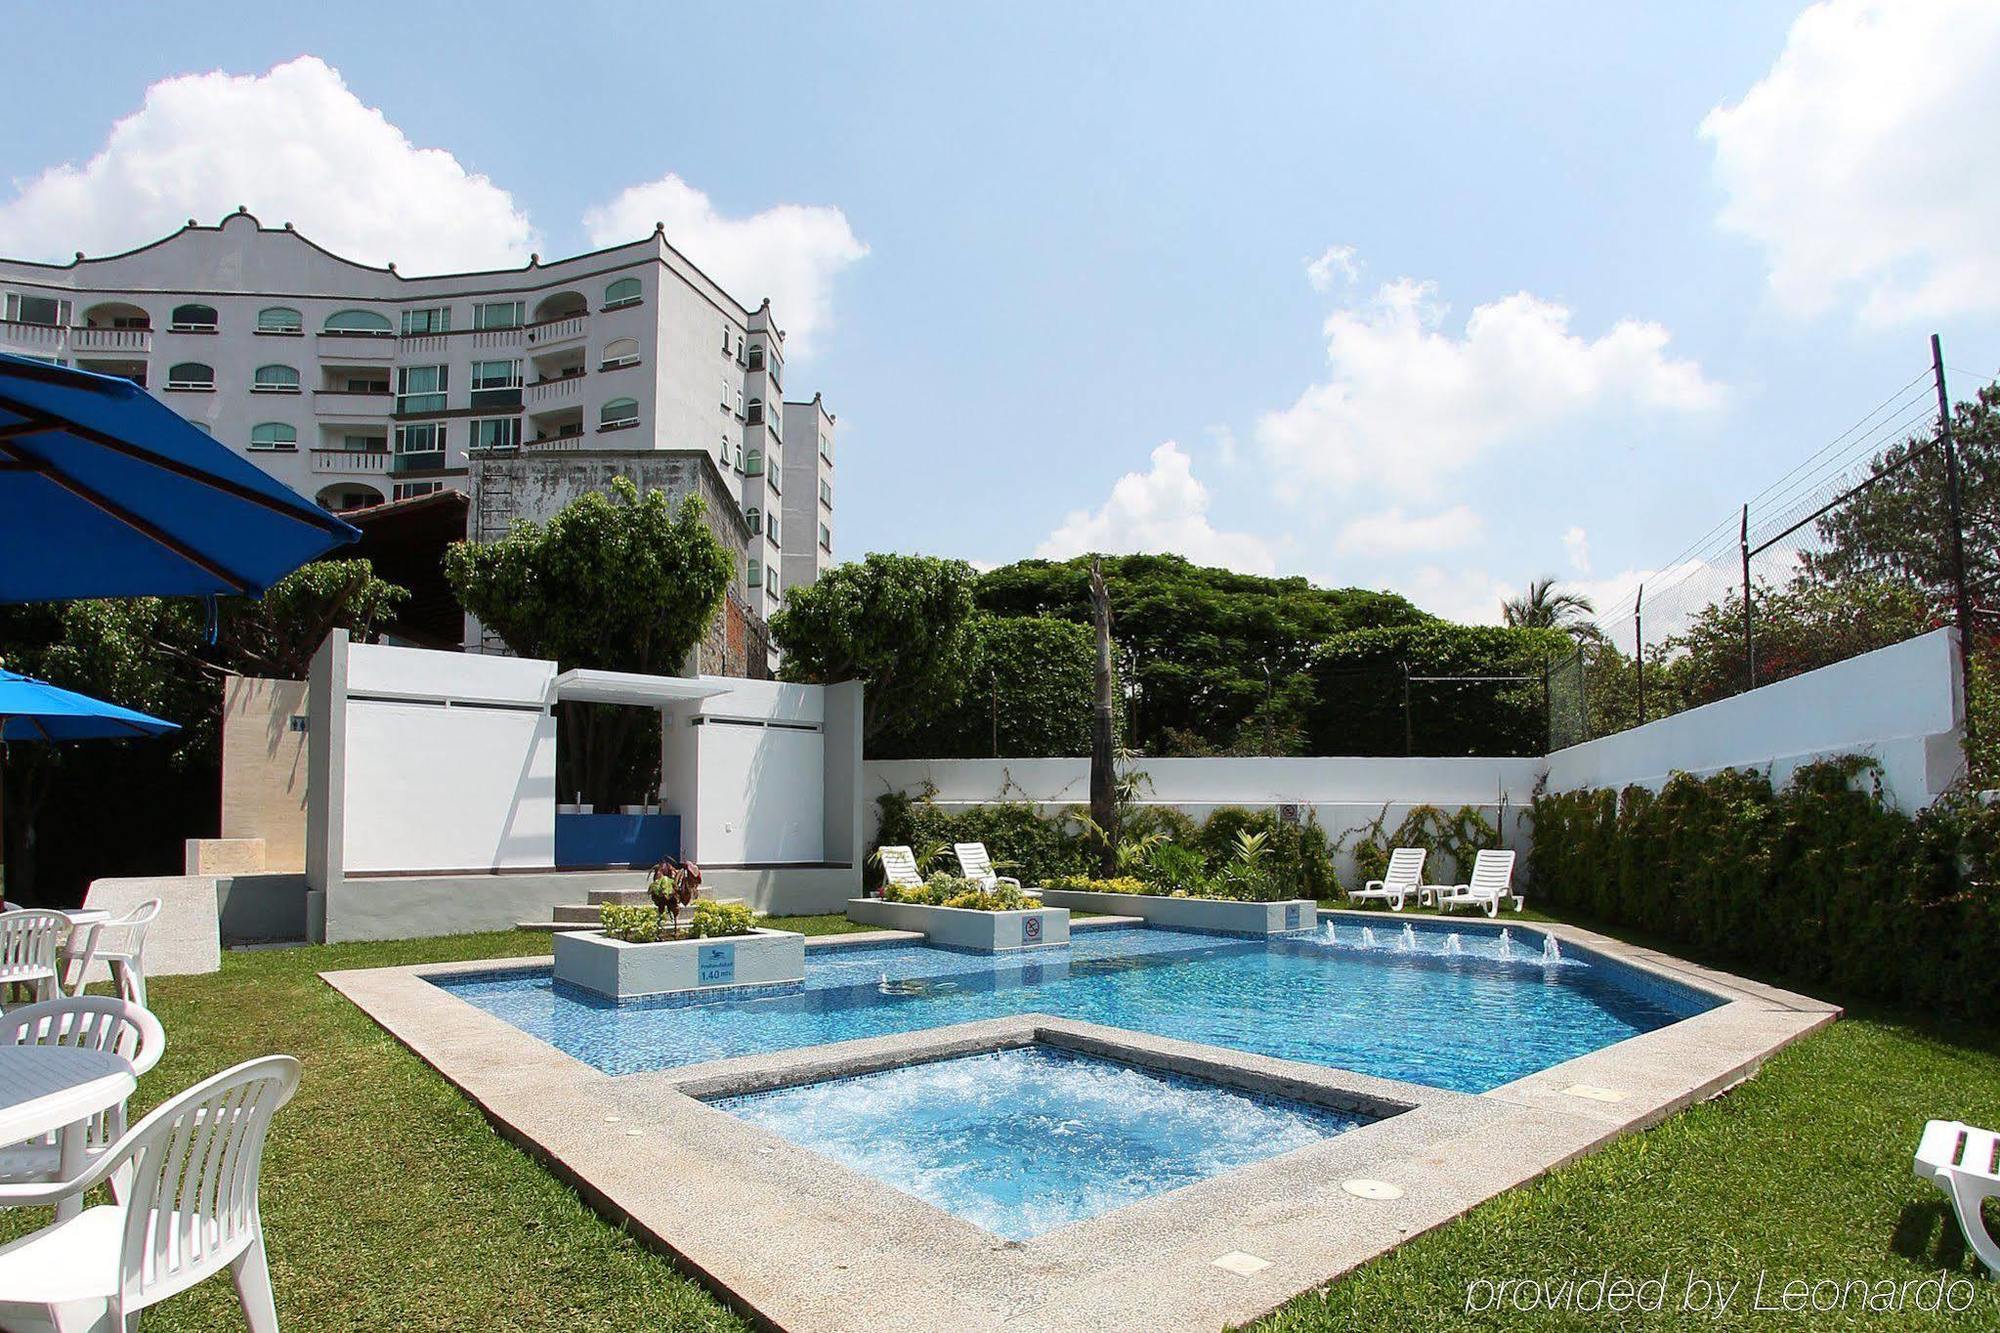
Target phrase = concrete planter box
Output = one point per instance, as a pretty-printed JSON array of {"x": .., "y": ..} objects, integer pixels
[
  {"x": 1219, "y": 914},
  {"x": 963, "y": 928},
  {"x": 622, "y": 971}
]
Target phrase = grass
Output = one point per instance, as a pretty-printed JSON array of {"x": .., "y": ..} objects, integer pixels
[{"x": 390, "y": 1203}]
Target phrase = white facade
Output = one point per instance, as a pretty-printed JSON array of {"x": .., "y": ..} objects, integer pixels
[
  {"x": 354, "y": 385},
  {"x": 808, "y": 492}
]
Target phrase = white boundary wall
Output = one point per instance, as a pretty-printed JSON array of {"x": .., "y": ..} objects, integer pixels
[{"x": 1899, "y": 705}]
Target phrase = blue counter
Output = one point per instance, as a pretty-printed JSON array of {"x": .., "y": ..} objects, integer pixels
[{"x": 616, "y": 840}]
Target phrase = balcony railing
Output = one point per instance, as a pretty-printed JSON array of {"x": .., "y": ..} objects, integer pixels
[
  {"x": 46, "y": 339},
  {"x": 352, "y": 402},
  {"x": 356, "y": 345},
  {"x": 111, "y": 340},
  {"x": 552, "y": 331},
  {"x": 554, "y": 392},
  {"x": 560, "y": 442},
  {"x": 350, "y": 460}
]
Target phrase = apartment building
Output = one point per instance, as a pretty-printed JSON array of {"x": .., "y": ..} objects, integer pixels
[{"x": 524, "y": 387}]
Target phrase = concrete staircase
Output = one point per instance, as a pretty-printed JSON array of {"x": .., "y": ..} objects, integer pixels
[{"x": 584, "y": 915}]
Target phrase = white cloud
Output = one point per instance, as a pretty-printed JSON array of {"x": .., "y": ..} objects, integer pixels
[
  {"x": 1860, "y": 160},
  {"x": 292, "y": 145},
  {"x": 1577, "y": 543},
  {"x": 1336, "y": 261},
  {"x": 790, "y": 253},
  {"x": 1468, "y": 596},
  {"x": 1163, "y": 510},
  {"x": 1392, "y": 532},
  {"x": 1408, "y": 404}
]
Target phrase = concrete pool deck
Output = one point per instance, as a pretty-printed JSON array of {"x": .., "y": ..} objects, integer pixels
[{"x": 806, "y": 1244}]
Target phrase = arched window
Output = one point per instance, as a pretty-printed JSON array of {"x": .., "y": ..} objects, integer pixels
[
  {"x": 756, "y": 356},
  {"x": 618, "y": 412},
  {"x": 275, "y": 379},
  {"x": 754, "y": 465},
  {"x": 280, "y": 319},
  {"x": 274, "y": 435},
  {"x": 620, "y": 352},
  {"x": 756, "y": 572},
  {"x": 193, "y": 319},
  {"x": 624, "y": 292},
  {"x": 191, "y": 375},
  {"x": 365, "y": 322},
  {"x": 755, "y": 518},
  {"x": 755, "y": 413}
]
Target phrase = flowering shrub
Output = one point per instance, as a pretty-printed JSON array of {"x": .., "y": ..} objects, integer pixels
[
  {"x": 636, "y": 924},
  {"x": 957, "y": 891}
]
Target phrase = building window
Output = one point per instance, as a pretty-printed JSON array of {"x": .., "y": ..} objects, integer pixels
[
  {"x": 358, "y": 323},
  {"x": 619, "y": 353},
  {"x": 756, "y": 572},
  {"x": 624, "y": 292},
  {"x": 498, "y": 315},
  {"x": 826, "y": 446},
  {"x": 826, "y": 493},
  {"x": 725, "y": 393},
  {"x": 755, "y": 518},
  {"x": 771, "y": 528},
  {"x": 496, "y": 384},
  {"x": 739, "y": 402},
  {"x": 419, "y": 447},
  {"x": 422, "y": 388},
  {"x": 755, "y": 467},
  {"x": 280, "y": 319},
  {"x": 48, "y": 311},
  {"x": 275, "y": 379},
  {"x": 756, "y": 356},
  {"x": 364, "y": 444},
  {"x": 410, "y": 490},
  {"x": 825, "y": 538},
  {"x": 432, "y": 319},
  {"x": 193, "y": 319},
  {"x": 618, "y": 413},
  {"x": 755, "y": 415},
  {"x": 274, "y": 436},
  {"x": 496, "y": 433},
  {"x": 191, "y": 375}
]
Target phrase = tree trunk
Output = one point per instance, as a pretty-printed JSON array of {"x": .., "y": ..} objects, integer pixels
[{"x": 1103, "y": 773}]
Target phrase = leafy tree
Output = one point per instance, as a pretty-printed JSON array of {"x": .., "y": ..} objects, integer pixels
[
  {"x": 154, "y": 655},
  {"x": 903, "y": 624},
  {"x": 1028, "y": 698},
  {"x": 1542, "y": 607},
  {"x": 1358, "y": 706},
  {"x": 614, "y": 581},
  {"x": 1202, "y": 651}
]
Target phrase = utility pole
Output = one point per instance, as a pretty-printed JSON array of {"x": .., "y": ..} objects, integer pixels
[
  {"x": 1962, "y": 604},
  {"x": 1639, "y": 648},
  {"x": 1749, "y": 640}
]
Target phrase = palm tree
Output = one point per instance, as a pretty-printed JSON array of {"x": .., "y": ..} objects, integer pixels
[{"x": 1542, "y": 607}]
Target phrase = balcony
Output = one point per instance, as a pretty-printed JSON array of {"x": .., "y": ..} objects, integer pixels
[
  {"x": 336, "y": 404},
  {"x": 138, "y": 341},
  {"x": 350, "y": 462},
  {"x": 355, "y": 345},
  {"x": 557, "y": 332},
  {"x": 561, "y": 441},
  {"x": 39, "y": 339},
  {"x": 555, "y": 392}
]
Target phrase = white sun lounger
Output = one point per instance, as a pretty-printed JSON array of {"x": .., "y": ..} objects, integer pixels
[
  {"x": 976, "y": 865},
  {"x": 1960, "y": 1160},
  {"x": 1492, "y": 884},
  {"x": 1402, "y": 880},
  {"x": 899, "y": 866}
]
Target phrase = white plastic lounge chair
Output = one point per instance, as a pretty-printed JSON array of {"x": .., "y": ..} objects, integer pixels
[
  {"x": 192, "y": 1211},
  {"x": 30, "y": 944},
  {"x": 1492, "y": 884},
  {"x": 976, "y": 865},
  {"x": 87, "y": 1022},
  {"x": 120, "y": 944},
  {"x": 1960, "y": 1160},
  {"x": 899, "y": 866},
  {"x": 1400, "y": 881}
]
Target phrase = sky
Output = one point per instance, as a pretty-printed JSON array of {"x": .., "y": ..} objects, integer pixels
[{"x": 1437, "y": 298}]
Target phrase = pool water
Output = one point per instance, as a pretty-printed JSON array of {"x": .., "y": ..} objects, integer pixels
[
  {"x": 1023, "y": 1141},
  {"x": 1465, "y": 1009}
]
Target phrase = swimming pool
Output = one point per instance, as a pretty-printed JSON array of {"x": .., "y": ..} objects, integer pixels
[{"x": 1459, "y": 1007}]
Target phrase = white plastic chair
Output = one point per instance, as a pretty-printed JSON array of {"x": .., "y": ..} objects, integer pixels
[
  {"x": 86, "y": 1022},
  {"x": 976, "y": 865},
  {"x": 899, "y": 866},
  {"x": 120, "y": 944},
  {"x": 1960, "y": 1160},
  {"x": 192, "y": 1211},
  {"x": 1401, "y": 880},
  {"x": 1492, "y": 883},
  {"x": 30, "y": 944}
]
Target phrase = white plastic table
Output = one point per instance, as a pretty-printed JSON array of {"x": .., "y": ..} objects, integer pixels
[{"x": 55, "y": 1090}]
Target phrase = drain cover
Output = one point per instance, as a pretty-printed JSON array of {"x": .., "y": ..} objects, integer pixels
[
  {"x": 1372, "y": 1189},
  {"x": 1241, "y": 1264}
]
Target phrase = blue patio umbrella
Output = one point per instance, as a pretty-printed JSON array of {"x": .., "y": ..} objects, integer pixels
[
  {"x": 34, "y": 710},
  {"x": 106, "y": 492}
]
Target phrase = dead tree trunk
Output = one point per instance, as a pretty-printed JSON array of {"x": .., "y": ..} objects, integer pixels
[{"x": 1103, "y": 735}]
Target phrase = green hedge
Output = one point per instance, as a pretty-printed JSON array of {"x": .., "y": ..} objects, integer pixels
[
  {"x": 1358, "y": 707},
  {"x": 1028, "y": 696},
  {"x": 1819, "y": 883}
]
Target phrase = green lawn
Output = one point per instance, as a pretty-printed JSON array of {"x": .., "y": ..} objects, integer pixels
[{"x": 390, "y": 1203}]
